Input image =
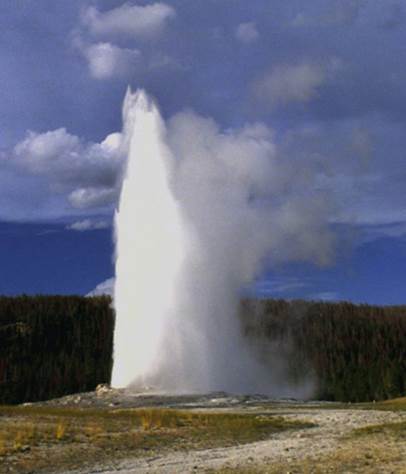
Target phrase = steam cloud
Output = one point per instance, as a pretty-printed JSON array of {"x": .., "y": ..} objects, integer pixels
[{"x": 201, "y": 212}]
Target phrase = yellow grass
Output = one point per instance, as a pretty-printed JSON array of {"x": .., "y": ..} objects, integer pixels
[{"x": 32, "y": 438}]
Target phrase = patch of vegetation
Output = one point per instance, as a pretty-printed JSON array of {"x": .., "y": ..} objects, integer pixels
[
  {"x": 32, "y": 438},
  {"x": 397, "y": 430},
  {"x": 396, "y": 404}
]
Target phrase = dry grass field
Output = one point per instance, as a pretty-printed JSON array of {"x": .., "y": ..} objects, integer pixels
[
  {"x": 49, "y": 439},
  {"x": 266, "y": 438}
]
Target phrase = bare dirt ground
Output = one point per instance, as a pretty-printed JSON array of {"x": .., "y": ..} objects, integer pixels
[{"x": 282, "y": 437}]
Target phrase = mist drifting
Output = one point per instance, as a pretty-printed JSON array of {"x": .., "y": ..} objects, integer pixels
[{"x": 201, "y": 212}]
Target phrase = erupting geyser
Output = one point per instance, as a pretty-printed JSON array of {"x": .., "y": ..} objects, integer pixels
[
  {"x": 149, "y": 244},
  {"x": 195, "y": 221},
  {"x": 176, "y": 326}
]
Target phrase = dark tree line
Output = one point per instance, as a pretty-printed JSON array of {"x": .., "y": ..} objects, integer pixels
[
  {"x": 355, "y": 352},
  {"x": 53, "y": 345}
]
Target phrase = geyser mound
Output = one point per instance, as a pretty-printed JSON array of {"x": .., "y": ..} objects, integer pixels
[{"x": 193, "y": 228}]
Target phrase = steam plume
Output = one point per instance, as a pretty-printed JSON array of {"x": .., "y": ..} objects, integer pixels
[{"x": 201, "y": 210}]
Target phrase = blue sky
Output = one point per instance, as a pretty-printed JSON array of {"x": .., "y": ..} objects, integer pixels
[{"x": 327, "y": 78}]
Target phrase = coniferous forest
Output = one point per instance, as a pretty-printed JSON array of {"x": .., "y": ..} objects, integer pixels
[
  {"x": 353, "y": 352},
  {"x": 55, "y": 345}
]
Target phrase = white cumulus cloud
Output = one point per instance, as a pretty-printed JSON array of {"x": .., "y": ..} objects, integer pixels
[
  {"x": 114, "y": 42},
  {"x": 105, "y": 60},
  {"x": 68, "y": 159},
  {"x": 69, "y": 175},
  {"x": 129, "y": 20},
  {"x": 40, "y": 150}
]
